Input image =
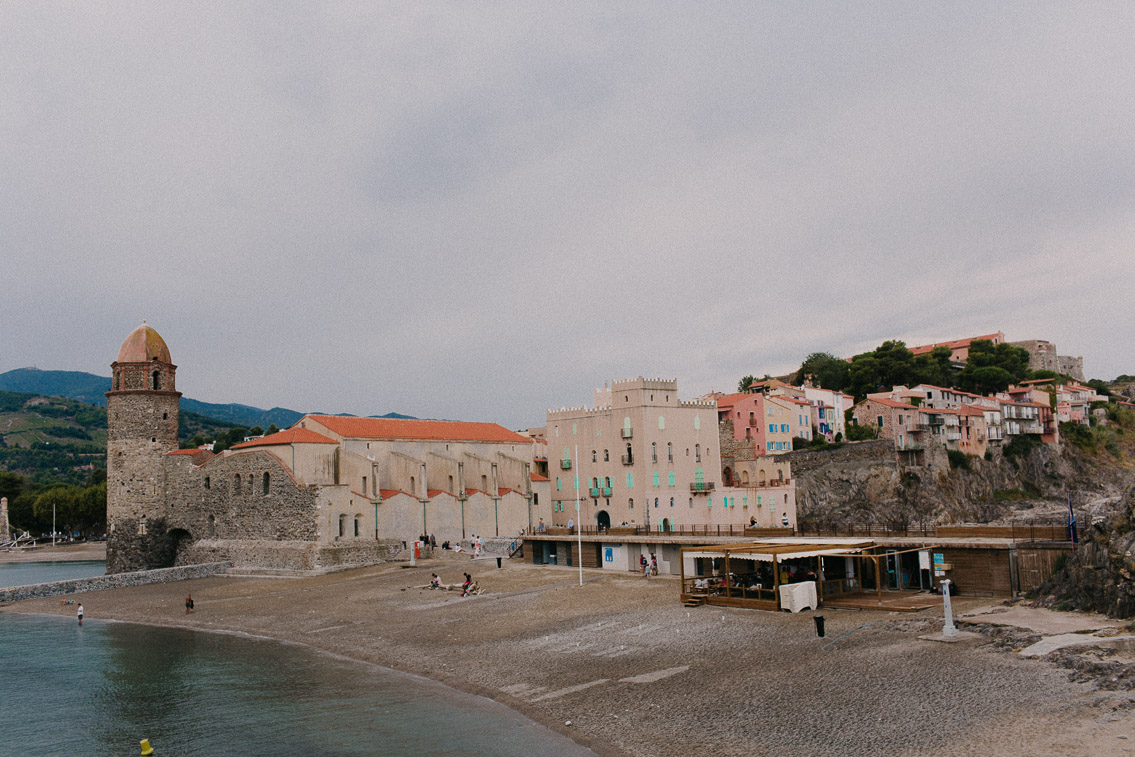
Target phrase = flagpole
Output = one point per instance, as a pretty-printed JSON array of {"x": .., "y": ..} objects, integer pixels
[{"x": 578, "y": 520}]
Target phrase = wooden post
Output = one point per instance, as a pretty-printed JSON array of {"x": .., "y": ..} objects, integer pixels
[
  {"x": 728, "y": 588},
  {"x": 775, "y": 580},
  {"x": 878, "y": 584},
  {"x": 820, "y": 578},
  {"x": 681, "y": 569}
]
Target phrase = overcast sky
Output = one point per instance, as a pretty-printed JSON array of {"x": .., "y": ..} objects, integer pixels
[{"x": 479, "y": 211}]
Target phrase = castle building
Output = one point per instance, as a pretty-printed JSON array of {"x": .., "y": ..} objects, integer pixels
[
  {"x": 329, "y": 491},
  {"x": 642, "y": 457}
]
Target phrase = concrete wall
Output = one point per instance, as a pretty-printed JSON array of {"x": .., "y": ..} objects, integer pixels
[{"x": 118, "y": 580}]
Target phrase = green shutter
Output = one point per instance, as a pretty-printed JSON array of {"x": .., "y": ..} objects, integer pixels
[
  {"x": 630, "y": 480},
  {"x": 656, "y": 478}
]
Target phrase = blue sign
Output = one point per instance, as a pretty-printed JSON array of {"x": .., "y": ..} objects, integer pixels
[{"x": 608, "y": 554}]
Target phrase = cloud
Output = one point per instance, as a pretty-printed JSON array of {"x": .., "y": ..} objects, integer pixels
[{"x": 482, "y": 212}]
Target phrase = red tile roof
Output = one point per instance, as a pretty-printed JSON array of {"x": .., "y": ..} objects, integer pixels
[
  {"x": 538, "y": 477},
  {"x": 392, "y": 492},
  {"x": 402, "y": 428},
  {"x": 952, "y": 345},
  {"x": 294, "y": 435},
  {"x": 729, "y": 400},
  {"x": 191, "y": 451},
  {"x": 892, "y": 403}
]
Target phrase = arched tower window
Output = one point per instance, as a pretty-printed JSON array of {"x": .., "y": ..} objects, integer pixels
[
  {"x": 157, "y": 379},
  {"x": 266, "y": 482}
]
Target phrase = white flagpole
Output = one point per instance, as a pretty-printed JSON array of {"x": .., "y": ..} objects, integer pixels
[{"x": 578, "y": 519}]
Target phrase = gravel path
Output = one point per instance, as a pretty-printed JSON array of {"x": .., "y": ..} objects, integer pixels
[{"x": 635, "y": 673}]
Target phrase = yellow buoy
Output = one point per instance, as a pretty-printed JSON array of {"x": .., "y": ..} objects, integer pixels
[{"x": 146, "y": 748}]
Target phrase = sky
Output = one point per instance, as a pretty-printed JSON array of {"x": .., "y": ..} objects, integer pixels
[{"x": 480, "y": 211}]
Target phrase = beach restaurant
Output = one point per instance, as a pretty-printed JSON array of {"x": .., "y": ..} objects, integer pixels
[{"x": 792, "y": 574}]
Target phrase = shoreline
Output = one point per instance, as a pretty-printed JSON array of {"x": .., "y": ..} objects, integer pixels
[
  {"x": 81, "y": 552},
  {"x": 634, "y": 671}
]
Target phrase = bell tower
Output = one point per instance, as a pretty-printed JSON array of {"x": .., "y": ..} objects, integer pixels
[{"x": 142, "y": 420}]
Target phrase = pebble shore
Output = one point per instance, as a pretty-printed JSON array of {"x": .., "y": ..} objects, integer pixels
[{"x": 619, "y": 665}]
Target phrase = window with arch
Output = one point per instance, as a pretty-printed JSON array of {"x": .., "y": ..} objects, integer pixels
[
  {"x": 342, "y": 525},
  {"x": 608, "y": 480},
  {"x": 606, "y": 456},
  {"x": 656, "y": 503},
  {"x": 157, "y": 379},
  {"x": 669, "y": 452},
  {"x": 653, "y": 452},
  {"x": 671, "y": 502},
  {"x": 594, "y": 456},
  {"x": 697, "y": 453},
  {"x": 357, "y": 519},
  {"x": 744, "y": 478},
  {"x": 266, "y": 481},
  {"x": 630, "y": 503},
  {"x": 212, "y": 526},
  {"x": 691, "y": 503}
]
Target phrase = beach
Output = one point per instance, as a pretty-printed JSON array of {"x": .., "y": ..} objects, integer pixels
[{"x": 620, "y": 666}]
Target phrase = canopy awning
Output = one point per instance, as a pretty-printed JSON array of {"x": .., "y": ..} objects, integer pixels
[{"x": 778, "y": 551}]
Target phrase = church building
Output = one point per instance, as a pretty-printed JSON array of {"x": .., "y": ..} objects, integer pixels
[{"x": 327, "y": 492}]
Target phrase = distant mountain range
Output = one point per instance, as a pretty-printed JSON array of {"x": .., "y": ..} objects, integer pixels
[{"x": 87, "y": 387}]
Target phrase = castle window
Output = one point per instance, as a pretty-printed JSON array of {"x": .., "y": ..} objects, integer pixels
[
  {"x": 157, "y": 376},
  {"x": 264, "y": 490},
  {"x": 606, "y": 456},
  {"x": 357, "y": 517},
  {"x": 165, "y": 416},
  {"x": 342, "y": 525},
  {"x": 207, "y": 482},
  {"x": 153, "y": 439},
  {"x": 236, "y": 484}
]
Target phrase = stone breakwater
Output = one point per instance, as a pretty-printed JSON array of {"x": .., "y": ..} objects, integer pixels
[{"x": 117, "y": 580}]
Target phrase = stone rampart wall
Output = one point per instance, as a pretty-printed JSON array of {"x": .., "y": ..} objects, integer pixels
[
  {"x": 877, "y": 451},
  {"x": 115, "y": 581}
]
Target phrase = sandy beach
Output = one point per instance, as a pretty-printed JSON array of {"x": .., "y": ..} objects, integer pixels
[
  {"x": 619, "y": 665},
  {"x": 58, "y": 553}
]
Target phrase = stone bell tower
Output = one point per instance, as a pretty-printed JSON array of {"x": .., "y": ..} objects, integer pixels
[{"x": 142, "y": 420}]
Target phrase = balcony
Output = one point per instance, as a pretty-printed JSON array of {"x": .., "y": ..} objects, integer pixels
[
  {"x": 701, "y": 486},
  {"x": 935, "y": 420},
  {"x": 627, "y": 433},
  {"x": 565, "y": 464},
  {"x": 628, "y": 459},
  {"x": 953, "y": 436},
  {"x": 606, "y": 491},
  {"x": 593, "y": 492}
]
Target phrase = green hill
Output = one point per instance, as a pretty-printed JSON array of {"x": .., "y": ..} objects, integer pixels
[
  {"x": 87, "y": 387},
  {"x": 56, "y": 439}
]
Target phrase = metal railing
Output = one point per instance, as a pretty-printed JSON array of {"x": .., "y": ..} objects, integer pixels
[
  {"x": 628, "y": 459},
  {"x": 701, "y": 486}
]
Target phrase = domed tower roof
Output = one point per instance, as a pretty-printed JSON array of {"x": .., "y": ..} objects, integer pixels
[{"x": 143, "y": 345}]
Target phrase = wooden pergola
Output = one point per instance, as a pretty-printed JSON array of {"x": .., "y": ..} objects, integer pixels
[{"x": 719, "y": 590}]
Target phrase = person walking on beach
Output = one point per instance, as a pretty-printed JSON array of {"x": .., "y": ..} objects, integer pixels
[
  {"x": 465, "y": 586},
  {"x": 653, "y": 565},
  {"x": 188, "y": 603},
  {"x": 80, "y": 614}
]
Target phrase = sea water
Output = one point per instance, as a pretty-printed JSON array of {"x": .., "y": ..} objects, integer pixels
[
  {"x": 25, "y": 573},
  {"x": 101, "y": 688}
]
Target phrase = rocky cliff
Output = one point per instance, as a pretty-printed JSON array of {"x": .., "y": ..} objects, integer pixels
[
  {"x": 1099, "y": 574},
  {"x": 868, "y": 482}
]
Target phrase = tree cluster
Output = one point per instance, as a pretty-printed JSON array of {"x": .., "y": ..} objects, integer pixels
[{"x": 31, "y": 505}]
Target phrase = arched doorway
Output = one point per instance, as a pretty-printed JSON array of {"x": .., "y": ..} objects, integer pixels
[
  {"x": 603, "y": 520},
  {"x": 727, "y": 476},
  {"x": 178, "y": 541},
  {"x": 665, "y": 525}
]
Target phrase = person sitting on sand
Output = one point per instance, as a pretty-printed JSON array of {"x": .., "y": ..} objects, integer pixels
[{"x": 435, "y": 581}]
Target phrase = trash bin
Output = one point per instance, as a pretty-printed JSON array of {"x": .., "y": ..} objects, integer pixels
[
  {"x": 498, "y": 563},
  {"x": 819, "y": 621}
]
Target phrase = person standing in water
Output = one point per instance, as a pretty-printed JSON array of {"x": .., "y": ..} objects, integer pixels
[{"x": 80, "y": 614}]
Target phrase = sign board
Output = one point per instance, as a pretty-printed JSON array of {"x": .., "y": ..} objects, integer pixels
[
  {"x": 923, "y": 560},
  {"x": 608, "y": 554},
  {"x": 939, "y": 558}
]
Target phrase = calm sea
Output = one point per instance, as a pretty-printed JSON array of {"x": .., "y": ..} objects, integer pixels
[
  {"x": 101, "y": 688},
  {"x": 24, "y": 573}
]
